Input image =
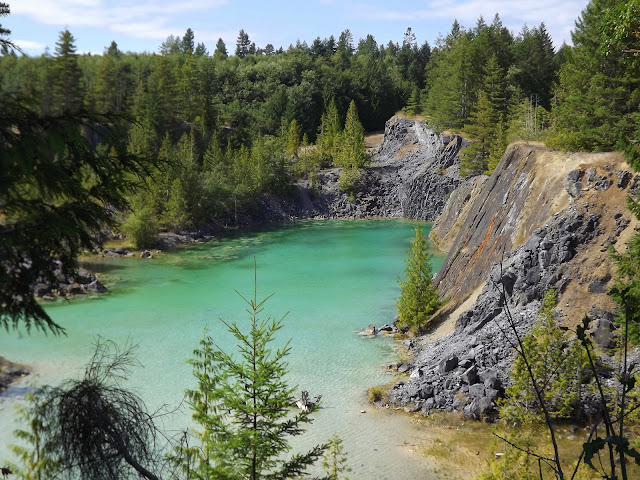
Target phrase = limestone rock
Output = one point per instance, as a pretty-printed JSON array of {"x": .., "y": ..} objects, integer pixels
[
  {"x": 573, "y": 182},
  {"x": 470, "y": 376},
  {"x": 448, "y": 364}
]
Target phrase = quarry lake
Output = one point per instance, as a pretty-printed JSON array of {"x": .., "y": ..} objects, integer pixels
[{"x": 332, "y": 277}]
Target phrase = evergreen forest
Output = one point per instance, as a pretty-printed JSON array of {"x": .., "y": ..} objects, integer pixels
[{"x": 223, "y": 125}]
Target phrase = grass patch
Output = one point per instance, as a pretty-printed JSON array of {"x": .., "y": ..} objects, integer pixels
[
  {"x": 118, "y": 243},
  {"x": 379, "y": 393},
  {"x": 459, "y": 447},
  {"x": 466, "y": 449}
]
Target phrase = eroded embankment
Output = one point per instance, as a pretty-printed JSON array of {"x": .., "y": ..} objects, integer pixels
[
  {"x": 411, "y": 175},
  {"x": 543, "y": 219}
]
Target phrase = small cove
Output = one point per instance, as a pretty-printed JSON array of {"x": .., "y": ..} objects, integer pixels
[{"x": 332, "y": 277}]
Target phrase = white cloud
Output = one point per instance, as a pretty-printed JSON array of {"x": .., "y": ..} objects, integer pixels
[
  {"x": 140, "y": 19},
  {"x": 29, "y": 44},
  {"x": 157, "y": 28}
]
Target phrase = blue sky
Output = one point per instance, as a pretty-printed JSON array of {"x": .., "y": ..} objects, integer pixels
[{"x": 142, "y": 25}]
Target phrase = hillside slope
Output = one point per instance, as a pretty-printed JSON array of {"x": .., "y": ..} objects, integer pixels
[{"x": 542, "y": 219}]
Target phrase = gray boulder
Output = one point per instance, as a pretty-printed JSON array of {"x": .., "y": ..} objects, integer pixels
[
  {"x": 479, "y": 408},
  {"x": 604, "y": 333},
  {"x": 477, "y": 390},
  {"x": 426, "y": 392},
  {"x": 470, "y": 376},
  {"x": 448, "y": 364},
  {"x": 96, "y": 287},
  {"x": 573, "y": 182}
]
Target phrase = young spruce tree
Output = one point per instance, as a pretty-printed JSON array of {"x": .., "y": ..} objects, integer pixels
[
  {"x": 242, "y": 407},
  {"x": 419, "y": 298},
  {"x": 351, "y": 154}
]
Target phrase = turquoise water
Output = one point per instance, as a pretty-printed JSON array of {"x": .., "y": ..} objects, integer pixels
[{"x": 332, "y": 277}]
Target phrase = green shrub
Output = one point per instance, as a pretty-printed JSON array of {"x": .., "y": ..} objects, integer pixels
[
  {"x": 141, "y": 229},
  {"x": 377, "y": 393}
]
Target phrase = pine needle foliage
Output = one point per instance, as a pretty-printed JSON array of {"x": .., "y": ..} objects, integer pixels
[
  {"x": 34, "y": 456},
  {"x": 241, "y": 405},
  {"x": 57, "y": 191},
  {"x": 557, "y": 364},
  {"x": 335, "y": 460},
  {"x": 351, "y": 154},
  {"x": 419, "y": 299}
]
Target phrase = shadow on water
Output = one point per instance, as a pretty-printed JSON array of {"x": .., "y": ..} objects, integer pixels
[
  {"x": 232, "y": 245},
  {"x": 101, "y": 266}
]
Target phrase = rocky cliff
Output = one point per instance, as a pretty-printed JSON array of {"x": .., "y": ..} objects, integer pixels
[
  {"x": 410, "y": 176},
  {"x": 542, "y": 219}
]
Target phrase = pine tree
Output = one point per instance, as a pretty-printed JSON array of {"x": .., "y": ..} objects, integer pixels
[
  {"x": 368, "y": 46},
  {"x": 485, "y": 124},
  {"x": 292, "y": 143},
  {"x": 36, "y": 461},
  {"x": 475, "y": 156},
  {"x": 494, "y": 87},
  {"x": 534, "y": 62},
  {"x": 113, "y": 51},
  {"x": 213, "y": 158},
  {"x": 107, "y": 93},
  {"x": 175, "y": 216},
  {"x": 497, "y": 149},
  {"x": 627, "y": 282},
  {"x": 140, "y": 228},
  {"x": 241, "y": 406},
  {"x": 221, "y": 50},
  {"x": 351, "y": 154},
  {"x": 418, "y": 299},
  {"x": 188, "y": 43},
  {"x": 335, "y": 460},
  {"x": 6, "y": 46},
  {"x": 59, "y": 191},
  {"x": 556, "y": 363},
  {"x": 344, "y": 49},
  {"x": 201, "y": 50},
  {"x": 328, "y": 136},
  {"x": 188, "y": 90},
  {"x": 173, "y": 44},
  {"x": 67, "y": 92},
  {"x": 599, "y": 93},
  {"x": 448, "y": 98},
  {"x": 413, "y": 104},
  {"x": 242, "y": 44}
]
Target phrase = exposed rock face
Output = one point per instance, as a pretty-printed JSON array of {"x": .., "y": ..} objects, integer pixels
[
  {"x": 517, "y": 199},
  {"x": 540, "y": 220},
  {"x": 411, "y": 175},
  {"x": 447, "y": 226}
]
